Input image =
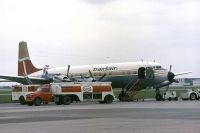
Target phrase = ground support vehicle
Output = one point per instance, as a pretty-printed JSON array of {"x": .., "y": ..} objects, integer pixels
[
  {"x": 191, "y": 94},
  {"x": 170, "y": 95},
  {"x": 42, "y": 95},
  {"x": 19, "y": 92},
  {"x": 66, "y": 93}
]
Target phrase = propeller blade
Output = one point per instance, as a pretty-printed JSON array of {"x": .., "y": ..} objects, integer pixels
[
  {"x": 68, "y": 70},
  {"x": 183, "y": 73},
  {"x": 91, "y": 75},
  {"x": 170, "y": 68},
  {"x": 102, "y": 77}
]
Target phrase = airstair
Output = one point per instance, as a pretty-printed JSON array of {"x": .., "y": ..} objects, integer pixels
[{"x": 130, "y": 90}]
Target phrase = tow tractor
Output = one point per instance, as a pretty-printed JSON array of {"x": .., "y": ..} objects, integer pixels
[
  {"x": 170, "y": 95},
  {"x": 191, "y": 94},
  {"x": 42, "y": 95}
]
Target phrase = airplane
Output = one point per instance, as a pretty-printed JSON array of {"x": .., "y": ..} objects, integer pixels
[{"x": 120, "y": 74}]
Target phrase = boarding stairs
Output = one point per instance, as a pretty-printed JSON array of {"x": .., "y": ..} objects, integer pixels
[{"x": 130, "y": 90}]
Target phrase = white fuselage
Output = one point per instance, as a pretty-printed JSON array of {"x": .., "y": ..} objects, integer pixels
[{"x": 118, "y": 73}]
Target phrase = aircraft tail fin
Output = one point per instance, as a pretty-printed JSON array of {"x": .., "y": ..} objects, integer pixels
[{"x": 25, "y": 66}]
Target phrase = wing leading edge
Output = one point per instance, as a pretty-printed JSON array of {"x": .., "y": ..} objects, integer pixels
[{"x": 23, "y": 80}]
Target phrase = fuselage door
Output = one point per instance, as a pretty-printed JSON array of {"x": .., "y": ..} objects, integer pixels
[{"x": 149, "y": 73}]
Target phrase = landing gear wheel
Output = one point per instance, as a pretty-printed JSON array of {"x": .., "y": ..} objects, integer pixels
[
  {"x": 159, "y": 97},
  {"x": 66, "y": 100},
  {"x": 22, "y": 100},
  {"x": 37, "y": 101}
]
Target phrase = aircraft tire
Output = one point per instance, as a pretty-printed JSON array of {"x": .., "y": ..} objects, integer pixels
[{"x": 159, "y": 97}]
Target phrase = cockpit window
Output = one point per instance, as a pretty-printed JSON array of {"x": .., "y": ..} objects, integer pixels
[{"x": 157, "y": 67}]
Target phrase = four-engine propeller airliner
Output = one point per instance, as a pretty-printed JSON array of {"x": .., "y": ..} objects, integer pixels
[{"x": 120, "y": 74}]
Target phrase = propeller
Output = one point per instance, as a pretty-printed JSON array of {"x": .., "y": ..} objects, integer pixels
[
  {"x": 94, "y": 79},
  {"x": 171, "y": 76}
]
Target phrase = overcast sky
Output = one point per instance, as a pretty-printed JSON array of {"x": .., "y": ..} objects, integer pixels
[{"x": 81, "y": 32}]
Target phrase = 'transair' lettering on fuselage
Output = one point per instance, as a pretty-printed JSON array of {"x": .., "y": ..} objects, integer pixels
[{"x": 105, "y": 68}]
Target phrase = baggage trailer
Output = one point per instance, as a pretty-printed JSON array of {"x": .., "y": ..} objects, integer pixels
[{"x": 66, "y": 93}]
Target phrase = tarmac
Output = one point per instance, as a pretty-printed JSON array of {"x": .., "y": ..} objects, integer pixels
[{"x": 119, "y": 117}]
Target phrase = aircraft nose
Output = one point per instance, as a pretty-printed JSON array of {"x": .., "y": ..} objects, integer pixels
[{"x": 170, "y": 76}]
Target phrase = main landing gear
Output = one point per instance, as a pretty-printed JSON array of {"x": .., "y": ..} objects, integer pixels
[{"x": 158, "y": 95}]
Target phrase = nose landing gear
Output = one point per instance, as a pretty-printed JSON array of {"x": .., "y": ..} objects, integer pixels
[{"x": 158, "y": 95}]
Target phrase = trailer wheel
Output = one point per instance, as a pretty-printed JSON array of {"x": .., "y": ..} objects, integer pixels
[
  {"x": 22, "y": 100},
  {"x": 66, "y": 100},
  {"x": 37, "y": 101},
  {"x": 108, "y": 99},
  {"x": 193, "y": 96}
]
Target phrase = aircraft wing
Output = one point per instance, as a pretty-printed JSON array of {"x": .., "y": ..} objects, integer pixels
[
  {"x": 23, "y": 80},
  {"x": 4, "y": 80}
]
